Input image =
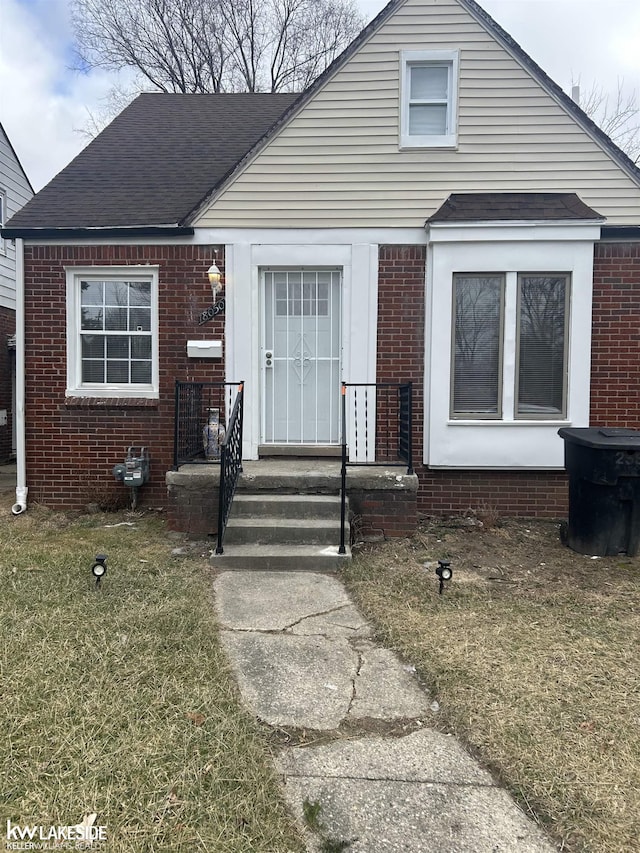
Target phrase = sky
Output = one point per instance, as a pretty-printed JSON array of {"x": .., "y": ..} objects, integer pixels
[{"x": 45, "y": 105}]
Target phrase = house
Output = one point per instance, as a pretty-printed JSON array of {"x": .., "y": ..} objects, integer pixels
[
  {"x": 15, "y": 190},
  {"x": 433, "y": 209}
]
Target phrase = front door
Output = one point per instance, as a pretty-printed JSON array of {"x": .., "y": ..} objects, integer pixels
[{"x": 301, "y": 356}]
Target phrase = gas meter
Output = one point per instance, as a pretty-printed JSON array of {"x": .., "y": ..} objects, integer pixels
[{"x": 134, "y": 471}]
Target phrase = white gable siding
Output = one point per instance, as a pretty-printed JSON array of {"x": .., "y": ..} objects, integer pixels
[
  {"x": 337, "y": 163},
  {"x": 16, "y": 191}
]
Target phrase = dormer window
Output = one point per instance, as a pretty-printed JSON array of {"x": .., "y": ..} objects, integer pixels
[{"x": 428, "y": 103}]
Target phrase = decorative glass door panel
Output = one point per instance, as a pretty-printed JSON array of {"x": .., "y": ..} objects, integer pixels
[{"x": 301, "y": 356}]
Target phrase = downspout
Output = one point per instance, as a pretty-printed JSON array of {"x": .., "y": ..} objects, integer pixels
[{"x": 21, "y": 479}]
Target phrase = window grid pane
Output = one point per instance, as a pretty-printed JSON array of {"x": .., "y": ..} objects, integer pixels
[
  {"x": 477, "y": 346},
  {"x": 427, "y": 120},
  {"x": 308, "y": 297},
  {"x": 429, "y": 99},
  {"x": 429, "y": 83},
  {"x": 115, "y": 308},
  {"x": 542, "y": 356}
]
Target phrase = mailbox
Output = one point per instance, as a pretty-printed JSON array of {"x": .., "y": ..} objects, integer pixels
[{"x": 204, "y": 349}]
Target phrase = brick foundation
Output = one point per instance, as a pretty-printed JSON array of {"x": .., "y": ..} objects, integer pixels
[
  {"x": 383, "y": 514},
  {"x": 540, "y": 494},
  {"x": 192, "y": 500}
]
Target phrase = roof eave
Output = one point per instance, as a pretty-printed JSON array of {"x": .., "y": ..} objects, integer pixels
[
  {"x": 516, "y": 223},
  {"x": 107, "y": 232},
  {"x": 621, "y": 232}
]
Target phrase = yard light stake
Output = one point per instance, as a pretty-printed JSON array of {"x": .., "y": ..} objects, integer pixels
[
  {"x": 444, "y": 573},
  {"x": 99, "y": 568}
]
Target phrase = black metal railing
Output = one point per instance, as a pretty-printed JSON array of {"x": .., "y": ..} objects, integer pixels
[
  {"x": 194, "y": 402},
  {"x": 377, "y": 419},
  {"x": 230, "y": 465}
]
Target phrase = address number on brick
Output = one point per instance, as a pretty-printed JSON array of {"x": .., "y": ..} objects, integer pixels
[{"x": 211, "y": 312}]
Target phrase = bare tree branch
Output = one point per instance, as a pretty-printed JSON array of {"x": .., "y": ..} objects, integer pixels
[
  {"x": 214, "y": 45},
  {"x": 617, "y": 114}
]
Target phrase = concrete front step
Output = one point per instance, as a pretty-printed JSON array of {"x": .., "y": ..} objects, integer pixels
[
  {"x": 283, "y": 531},
  {"x": 285, "y": 506},
  {"x": 290, "y": 558}
]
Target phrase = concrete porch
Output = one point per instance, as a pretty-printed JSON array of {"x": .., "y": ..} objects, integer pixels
[{"x": 381, "y": 504}]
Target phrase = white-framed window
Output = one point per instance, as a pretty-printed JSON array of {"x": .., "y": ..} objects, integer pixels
[
  {"x": 428, "y": 99},
  {"x": 477, "y": 351},
  {"x": 112, "y": 331},
  {"x": 542, "y": 345},
  {"x": 521, "y": 296},
  {"x": 536, "y": 343}
]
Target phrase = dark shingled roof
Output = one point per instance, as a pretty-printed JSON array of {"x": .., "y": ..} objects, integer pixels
[
  {"x": 155, "y": 162},
  {"x": 512, "y": 207}
]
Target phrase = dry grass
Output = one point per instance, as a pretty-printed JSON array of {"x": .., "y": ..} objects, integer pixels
[
  {"x": 532, "y": 654},
  {"x": 119, "y": 701}
]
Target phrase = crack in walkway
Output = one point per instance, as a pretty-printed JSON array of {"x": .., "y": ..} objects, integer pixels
[
  {"x": 319, "y": 613},
  {"x": 353, "y": 680}
]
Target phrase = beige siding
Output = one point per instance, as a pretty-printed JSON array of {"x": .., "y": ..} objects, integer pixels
[{"x": 337, "y": 163}]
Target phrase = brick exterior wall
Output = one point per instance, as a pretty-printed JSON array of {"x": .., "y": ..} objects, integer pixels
[
  {"x": 7, "y": 329},
  {"x": 383, "y": 513},
  {"x": 192, "y": 501},
  {"x": 72, "y": 444},
  {"x": 401, "y": 286},
  {"x": 615, "y": 357}
]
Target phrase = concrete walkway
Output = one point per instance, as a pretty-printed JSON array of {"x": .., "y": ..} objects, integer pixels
[{"x": 377, "y": 776}]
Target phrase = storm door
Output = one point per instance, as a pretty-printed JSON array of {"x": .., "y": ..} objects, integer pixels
[{"x": 301, "y": 356}]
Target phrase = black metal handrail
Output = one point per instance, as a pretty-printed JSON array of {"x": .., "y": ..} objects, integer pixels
[
  {"x": 230, "y": 465},
  {"x": 381, "y": 427},
  {"x": 193, "y": 402}
]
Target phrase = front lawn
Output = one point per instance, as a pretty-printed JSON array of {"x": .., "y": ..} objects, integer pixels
[
  {"x": 118, "y": 701},
  {"x": 533, "y": 656}
]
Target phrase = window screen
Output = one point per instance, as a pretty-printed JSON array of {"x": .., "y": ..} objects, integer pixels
[
  {"x": 542, "y": 351},
  {"x": 428, "y": 100},
  {"x": 477, "y": 346},
  {"x": 115, "y": 332}
]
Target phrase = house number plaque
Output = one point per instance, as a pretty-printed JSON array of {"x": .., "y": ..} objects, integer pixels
[{"x": 211, "y": 312}]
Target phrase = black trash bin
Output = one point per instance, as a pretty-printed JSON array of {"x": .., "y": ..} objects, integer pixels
[{"x": 603, "y": 465}]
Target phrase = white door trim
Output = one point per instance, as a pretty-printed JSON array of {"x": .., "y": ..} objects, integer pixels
[{"x": 243, "y": 261}]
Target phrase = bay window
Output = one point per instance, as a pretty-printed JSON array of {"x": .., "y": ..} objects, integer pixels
[{"x": 510, "y": 328}]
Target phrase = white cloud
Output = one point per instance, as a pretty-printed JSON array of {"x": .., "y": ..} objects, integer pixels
[{"x": 43, "y": 102}]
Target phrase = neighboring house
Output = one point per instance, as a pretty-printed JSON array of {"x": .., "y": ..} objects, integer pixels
[
  {"x": 434, "y": 208},
  {"x": 15, "y": 190}
]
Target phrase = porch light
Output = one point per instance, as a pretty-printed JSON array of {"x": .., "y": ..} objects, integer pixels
[
  {"x": 444, "y": 573},
  {"x": 215, "y": 277}
]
